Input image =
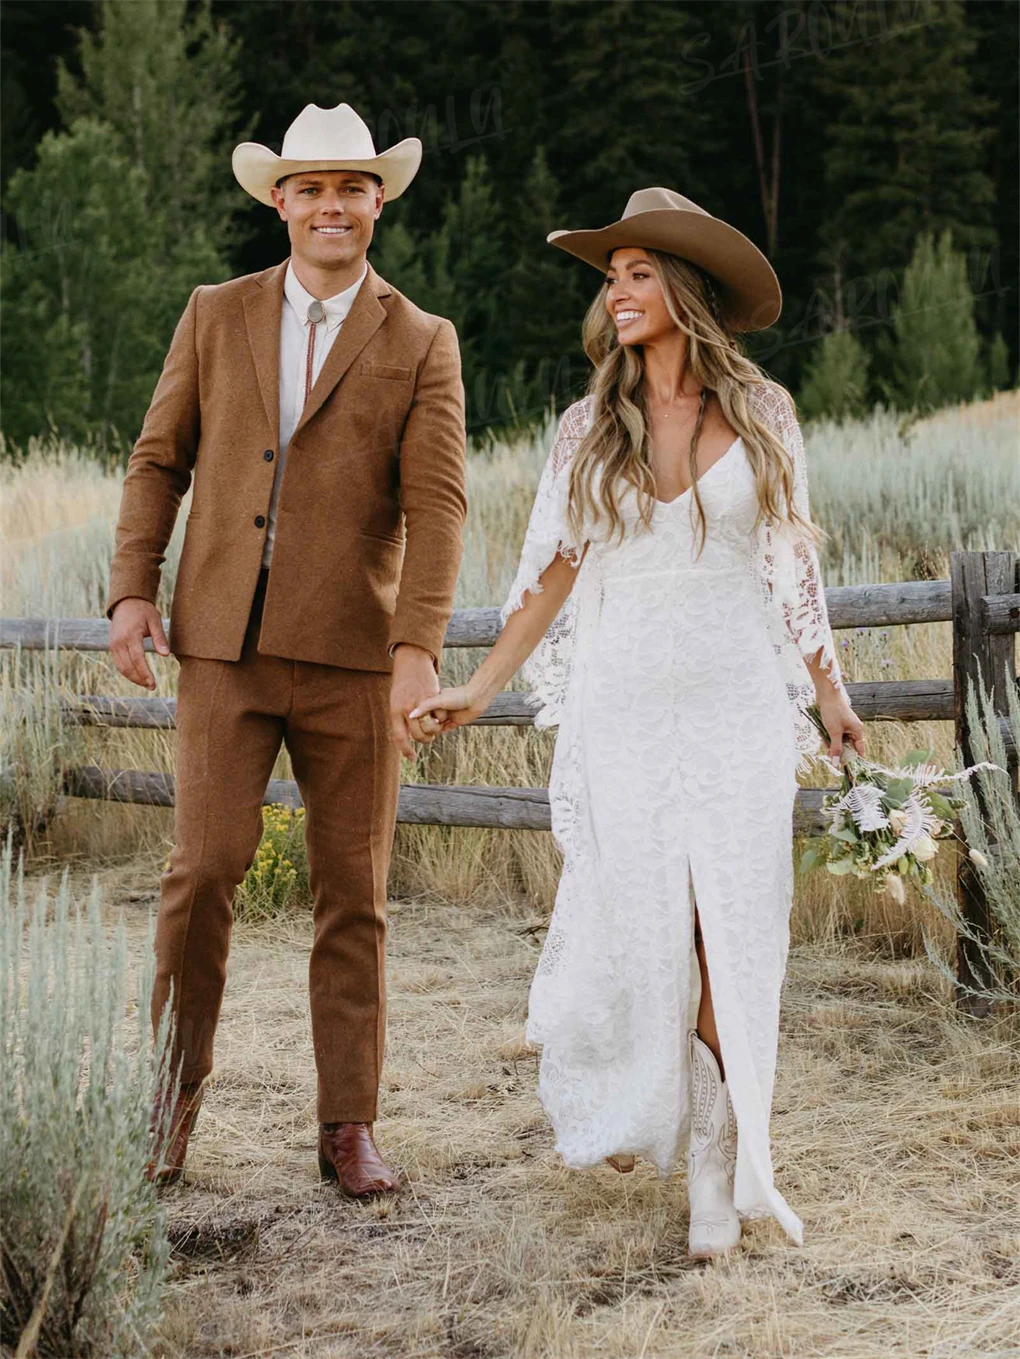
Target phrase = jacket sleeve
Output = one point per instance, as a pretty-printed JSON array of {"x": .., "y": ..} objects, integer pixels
[
  {"x": 159, "y": 470},
  {"x": 433, "y": 498}
]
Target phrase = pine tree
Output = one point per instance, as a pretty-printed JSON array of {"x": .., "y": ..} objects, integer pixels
[
  {"x": 802, "y": 125},
  {"x": 123, "y": 214},
  {"x": 936, "y": 356},
  {"x": 907, "y": 145},
  {"x": 473, "y": 227},
  {"x": 836, "y": 380},
  {"x": 997, "y": 364},
  {"x": 546, "y": 294},
  {"x": 166, "y": 81},
  {"x": 996, "y": 77},
  {"x": 626, "y": 115},
  {"x": 397, "y": 256},
  {"x": 455, "y": 272},
  {"x": 86, "y": 291}
]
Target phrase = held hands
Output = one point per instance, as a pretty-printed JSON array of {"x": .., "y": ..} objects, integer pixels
[
  {"x": 414, "y": 678},
  {"x": 452, "y": 708},
  {"x": 134, "y": 620},
  {"x": 520, "y": 634}
]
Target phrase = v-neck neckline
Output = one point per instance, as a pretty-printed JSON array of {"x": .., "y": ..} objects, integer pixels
[{"x": 665, "y": 504}]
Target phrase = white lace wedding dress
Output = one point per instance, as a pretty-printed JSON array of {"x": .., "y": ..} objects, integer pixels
[{"x": 678, "y": 686}]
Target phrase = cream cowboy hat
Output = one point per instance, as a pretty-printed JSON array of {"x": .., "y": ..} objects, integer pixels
[
  {"x": 325, "y": 139},
  {"x": 661, "y": 219}
]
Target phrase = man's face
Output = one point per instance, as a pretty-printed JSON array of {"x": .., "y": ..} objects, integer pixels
[{"x": 330, "y": 215}]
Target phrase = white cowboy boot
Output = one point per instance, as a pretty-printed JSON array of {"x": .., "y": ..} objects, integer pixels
[{"x": 712, "y": 1157}]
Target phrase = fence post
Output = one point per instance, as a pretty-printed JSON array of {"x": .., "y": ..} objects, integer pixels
[{"x": 977, "y": 652}]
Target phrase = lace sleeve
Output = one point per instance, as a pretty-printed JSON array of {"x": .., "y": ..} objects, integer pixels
[
  {"x": 791, "y": 568},
  {"x": 547, "y": 670}
]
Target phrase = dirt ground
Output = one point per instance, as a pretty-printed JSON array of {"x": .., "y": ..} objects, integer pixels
[{"x": 896, "y": 1137}]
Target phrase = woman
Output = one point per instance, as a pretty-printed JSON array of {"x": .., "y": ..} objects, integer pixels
[{"x": 670, "y": 610}]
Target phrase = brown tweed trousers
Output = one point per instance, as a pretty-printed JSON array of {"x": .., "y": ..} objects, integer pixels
[{"x": 366, "y": 552}]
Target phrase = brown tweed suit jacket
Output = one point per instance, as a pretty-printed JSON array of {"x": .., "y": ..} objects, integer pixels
[{"x": 368, "y": 534}]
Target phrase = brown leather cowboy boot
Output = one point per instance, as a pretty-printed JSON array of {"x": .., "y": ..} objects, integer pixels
[
  {"x": 348, "y": 1155},
  {"x": 182, "y": 1120}
]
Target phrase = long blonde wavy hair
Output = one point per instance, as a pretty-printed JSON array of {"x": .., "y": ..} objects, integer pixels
[{"x": 614, "y": 452}]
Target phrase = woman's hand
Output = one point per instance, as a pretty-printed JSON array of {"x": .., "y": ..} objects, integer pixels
[
  {"x": 520, "y": 634},
  {"x": 841, "y": 722},
  {"x": 458, "y": 706}
]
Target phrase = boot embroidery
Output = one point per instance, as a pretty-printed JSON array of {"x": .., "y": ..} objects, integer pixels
[
  {"x": 705, "y": 1091},
  {"x": 728, "y": 1140},
  {"x": 714, "y": 1222}
]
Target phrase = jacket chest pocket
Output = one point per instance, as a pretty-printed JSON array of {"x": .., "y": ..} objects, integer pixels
[{"x": 395, "y": 372}]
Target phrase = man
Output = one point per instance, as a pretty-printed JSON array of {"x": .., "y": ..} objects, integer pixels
[{"x": 321, "y": 416}]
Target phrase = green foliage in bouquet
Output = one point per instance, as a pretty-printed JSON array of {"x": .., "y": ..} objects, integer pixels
[{"x": 886, "y": 821}]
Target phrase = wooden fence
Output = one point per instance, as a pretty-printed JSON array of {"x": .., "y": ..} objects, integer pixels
[{"x": 981, "y": 599}]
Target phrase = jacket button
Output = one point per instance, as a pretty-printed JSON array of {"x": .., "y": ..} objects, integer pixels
[
  {"x": 260, "y": 521},
  {"x": 268, "y": 455}
]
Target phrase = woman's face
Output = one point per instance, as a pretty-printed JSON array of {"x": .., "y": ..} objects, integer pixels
[{"x": 634, "y": 298}]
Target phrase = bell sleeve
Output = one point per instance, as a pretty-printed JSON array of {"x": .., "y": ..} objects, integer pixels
[
  {"x": 547, "y": 669},
  {"x": 790, "y": 576}
]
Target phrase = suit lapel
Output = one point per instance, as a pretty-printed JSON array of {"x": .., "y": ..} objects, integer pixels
[
  {"x": 362, "y": 321},
  {"x": 262, "y": 308}
]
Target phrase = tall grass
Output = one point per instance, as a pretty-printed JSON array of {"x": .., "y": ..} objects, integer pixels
[
  {"x": 36, "y": 744},
  {"x": 899, "y": 494},
  {"x": 895, "y": 495},
  {"x": 83, "y": 1247}
]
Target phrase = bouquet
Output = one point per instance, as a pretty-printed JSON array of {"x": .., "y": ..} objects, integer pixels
[{"x": 887, "y": 821}]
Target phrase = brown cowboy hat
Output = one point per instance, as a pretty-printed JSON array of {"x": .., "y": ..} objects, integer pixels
[{"x": 661, "y": 219}]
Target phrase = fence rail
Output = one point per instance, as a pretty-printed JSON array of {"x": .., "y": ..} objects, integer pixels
[
  {"x": 849, "y": 606},
  {"x": 981, "y": 599},
  {"x": 873, "y": 701}
]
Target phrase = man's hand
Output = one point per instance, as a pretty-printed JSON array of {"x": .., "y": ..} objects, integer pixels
[
  {"x": 133, "y": 620},
  {"x": 414, "y": 680}
]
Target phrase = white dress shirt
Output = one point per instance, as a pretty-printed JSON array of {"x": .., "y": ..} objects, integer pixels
[{"x": 294, "y": 325}]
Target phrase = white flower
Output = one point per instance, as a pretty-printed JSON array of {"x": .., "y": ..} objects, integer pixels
[
  {"x": 864, "y": 803},
  {"x": 924, "y": 847},
  {"x": 894, "y": 886},
  {"x": 977, "y": 857},
  {"x": 897, "y": 819}
]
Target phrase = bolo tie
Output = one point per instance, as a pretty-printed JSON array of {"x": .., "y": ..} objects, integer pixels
[{"x": 316, "y": 313}]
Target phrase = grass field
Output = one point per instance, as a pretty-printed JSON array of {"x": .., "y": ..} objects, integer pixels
[
  {"x": 895, "y": 1134},
  {"x": 895, "y": 1131}
]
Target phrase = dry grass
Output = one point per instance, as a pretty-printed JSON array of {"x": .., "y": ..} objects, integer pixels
[
  {"x": 896, "y": 1136},
  {"x": 896, "y": 1121}
]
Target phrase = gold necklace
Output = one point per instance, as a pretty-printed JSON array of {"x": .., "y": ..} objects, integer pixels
[{"x": 665, "y": 414}]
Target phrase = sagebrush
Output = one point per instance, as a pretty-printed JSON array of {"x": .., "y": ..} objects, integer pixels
[{"x": 84, "y": 1249}]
